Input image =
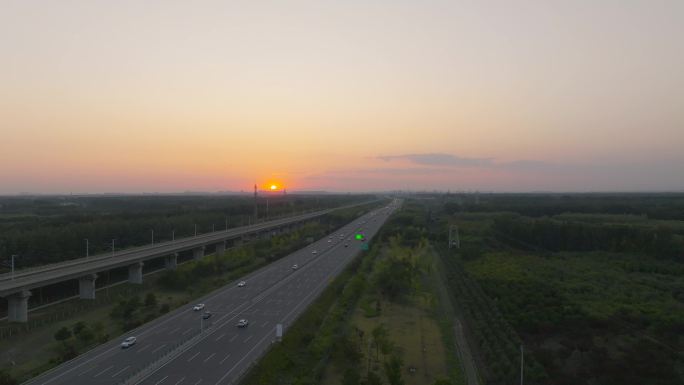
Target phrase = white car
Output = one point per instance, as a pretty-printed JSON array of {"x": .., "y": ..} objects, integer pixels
[
  {"x": 295, "y": 267},
  {"x": 198, "y": 307},
  {"x": 128, "y": 342},
  {"x": 242, "y": 284},
  {"x": 314, "y": 252},
  {"x": 242, "y": 323}
]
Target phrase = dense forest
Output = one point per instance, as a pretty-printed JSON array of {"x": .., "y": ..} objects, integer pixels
[
  {"x": 653, "y": 206},
  {"x": 591, "y": 284},
  {"x": 44, "y": 230}
]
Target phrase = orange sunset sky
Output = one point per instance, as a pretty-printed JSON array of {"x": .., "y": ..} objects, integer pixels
[{"x": 166, "y": 96}]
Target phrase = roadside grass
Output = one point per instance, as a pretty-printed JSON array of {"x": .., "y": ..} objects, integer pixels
[
  {"x": 416, "y": 336},
  {"x": 419, "y": 329}
]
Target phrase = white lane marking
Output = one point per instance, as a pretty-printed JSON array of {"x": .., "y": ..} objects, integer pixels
[
  {"x": 208, "y": 358},
  {"x": 179, "y": 381},
  {"x": 91, "y": 368},
  {"x": 248, "y": 338},
  {"x": 197, "y": 383},
  {"x": 243, "y": 358},
  {"x": 221, "y": 336},
  {"x": 234, "y": 337},
  {"x": 119, "y": 372},
  {"x": 174, "y": 330},
  {"x": 267, "y": 271},
  {"x": 264, "y": 325},
  {"x": 103, "y": 371},
  {"x": 143, "y": 349},
  {"x": 186, "y": 332},
  {"x": 225, "y": 358},
  {"x": 193, "y": 356},
  {"x": 162, "y": 380},
  {"x": 158, "y": 349}
]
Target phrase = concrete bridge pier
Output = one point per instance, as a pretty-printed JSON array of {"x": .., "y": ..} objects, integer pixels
[
  {"x": 220, "y": 248},
  {"x": 171, "y": 261},
  {"x": 135, "y": 273},
  {"x": 17, "y": 310},
  {"x": 86, "y": 286},
  {"x": 198, "y": 253}
]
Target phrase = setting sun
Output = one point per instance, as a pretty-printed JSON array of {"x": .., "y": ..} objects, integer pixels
[{"x": 273, "y": 187}]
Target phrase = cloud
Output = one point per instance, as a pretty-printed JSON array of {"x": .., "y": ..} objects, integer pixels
[
  {"x": 437, "y": 159},
  {"x": 449, "y": 161}
]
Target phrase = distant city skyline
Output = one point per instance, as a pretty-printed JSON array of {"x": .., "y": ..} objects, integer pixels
[{"x": 158, "y": 96}]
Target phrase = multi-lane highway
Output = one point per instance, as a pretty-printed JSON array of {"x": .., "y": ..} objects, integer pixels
[{"x": 181, "y": 348}]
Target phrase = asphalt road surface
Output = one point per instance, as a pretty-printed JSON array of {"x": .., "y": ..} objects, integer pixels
[{"x": 180, "y": 348}]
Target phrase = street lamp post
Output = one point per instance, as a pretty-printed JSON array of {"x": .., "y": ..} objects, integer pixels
[
  {"x": 87, "y": 247},
  {"x": 173, "y": 235},
  {"x": 153, "y": 236},
  {"x": 113, "y": 246},
  {"x": 195, "y": 229},
  {"x": 13, "y": 255},
  {"x": 522, "y": 366}
]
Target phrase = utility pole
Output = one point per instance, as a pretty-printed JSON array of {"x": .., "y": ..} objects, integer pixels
[
  {"x": 454, "y": 239},
  {"x": 212, "y": 228},
  {"x": 266, "y": 207},
  {"x": 153, "y": 236},
  {"x": 87, "y": 251},
  {"x": 256, "y": 210},
  {"x": 226, "y": 223},
  {"x": 195, "y": 229},
  {"x": 113, "y": 246},
  {"x": 173, "y": 235}
]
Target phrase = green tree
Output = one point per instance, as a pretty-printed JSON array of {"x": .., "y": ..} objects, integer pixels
[
  {"x": 86, "y": 335},
  {"x": 78, "y": 327},
  {"x": 6, "y": 378},
  {"x": 150, "y": 300},
  {"x": 442, "y": 382},
  {"x": 393, "y": 370},
  {"x": 351, "y": 377},
  {"x": 381, "y": 341},
  {"x": 63, "y": 334},
  {"x": 373, "y": 379}
]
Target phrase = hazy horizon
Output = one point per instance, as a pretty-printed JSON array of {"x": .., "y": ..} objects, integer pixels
[{"x": 163, "y": 96}]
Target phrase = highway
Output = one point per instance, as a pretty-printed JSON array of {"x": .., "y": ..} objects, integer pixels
[
  {"x": 72, "y": 269},
  {"x": 173, "y": 349}
]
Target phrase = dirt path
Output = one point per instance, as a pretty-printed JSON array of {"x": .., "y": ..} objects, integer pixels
[{"x": 462, "y": 346}]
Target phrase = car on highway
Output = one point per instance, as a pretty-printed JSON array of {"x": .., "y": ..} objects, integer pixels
[
  {"x": 346, "y": 245},
  {"x": 242, "y": 323},
  {"x": 295, "y": 267},
  {"x": 242, "y": 284},
  {"x": 206, "y": 315},
  {"x": 128, "y": 342},
  {"x": 314, "y": 252},
  {"x": 198, "y": 307}
]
